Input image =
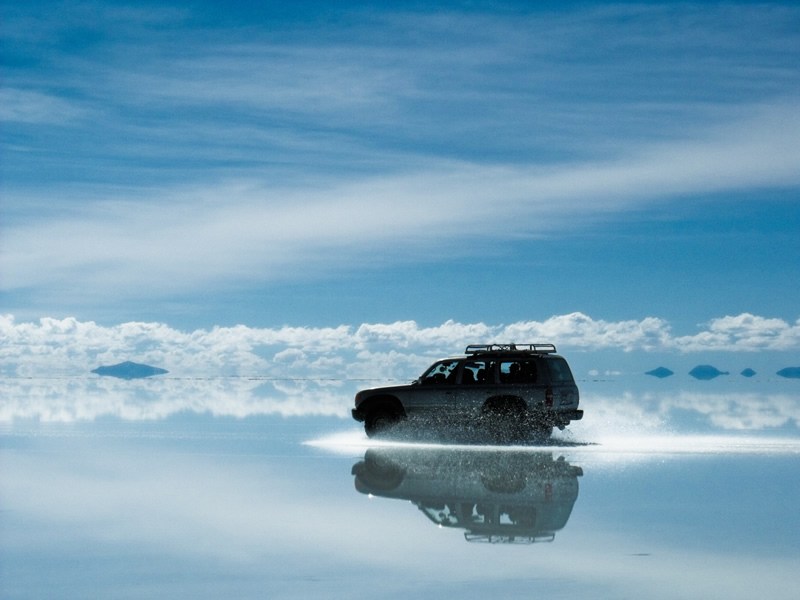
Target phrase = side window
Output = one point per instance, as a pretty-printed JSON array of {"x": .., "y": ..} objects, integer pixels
[
  {"x": 477, "y": 372},
  {"x": 441, "y": 372},
  {"x": 518, "y": 371}
]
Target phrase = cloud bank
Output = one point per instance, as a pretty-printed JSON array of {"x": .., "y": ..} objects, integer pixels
[
  {"x": 400, "y": 350},
  {"x": 75, "y": 400}
]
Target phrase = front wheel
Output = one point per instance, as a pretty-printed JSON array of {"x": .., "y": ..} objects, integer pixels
[{"x": 380, "y": 420}]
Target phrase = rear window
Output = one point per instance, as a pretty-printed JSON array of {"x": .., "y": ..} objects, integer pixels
[{"x": 559, "y": 371}]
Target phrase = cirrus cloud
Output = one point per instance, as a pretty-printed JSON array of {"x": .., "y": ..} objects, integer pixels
[{"x": 175, "y": 239}]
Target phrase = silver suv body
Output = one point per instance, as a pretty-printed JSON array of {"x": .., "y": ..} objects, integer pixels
[{"x": 514, "y": 391}]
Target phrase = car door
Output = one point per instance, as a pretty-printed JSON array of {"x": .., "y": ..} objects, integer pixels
[
  {"x": 520, "y": 377},
  {"x": 477, "y": 381},
  {"x": 434, "y": 393}
]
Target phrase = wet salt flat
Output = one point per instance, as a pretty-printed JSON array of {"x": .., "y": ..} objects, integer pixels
[{"x": 187, "y": 488}]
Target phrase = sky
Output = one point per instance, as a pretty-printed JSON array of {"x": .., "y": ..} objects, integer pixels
[{"x": 612, "y": 176}]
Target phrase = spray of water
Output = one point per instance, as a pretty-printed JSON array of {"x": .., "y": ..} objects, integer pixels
[{"x": 596, "y": 441}]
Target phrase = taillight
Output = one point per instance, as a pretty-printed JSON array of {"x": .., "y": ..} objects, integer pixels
[{"x": 548, "y": 396}]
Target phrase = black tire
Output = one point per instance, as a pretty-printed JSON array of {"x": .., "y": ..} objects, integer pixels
[
  {"x": 506, "y": 421},
  {"x": 381, "y": 419},
  {"x": 542, "y": 431}
]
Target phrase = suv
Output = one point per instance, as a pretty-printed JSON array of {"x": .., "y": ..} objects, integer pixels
[{"x": 511, "y": 390}]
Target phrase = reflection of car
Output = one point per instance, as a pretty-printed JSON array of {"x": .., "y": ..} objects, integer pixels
[
  {"x": 495, "y": 496},
  {"x": 514, "y": 389}
]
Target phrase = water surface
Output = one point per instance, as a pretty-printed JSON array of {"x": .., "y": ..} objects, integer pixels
[{"x": 249, "y": 489}]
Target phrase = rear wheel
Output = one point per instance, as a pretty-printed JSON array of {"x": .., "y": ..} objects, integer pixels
[
  {"x": 506, "y": 421},
  {"x": 542, "y": 431}
]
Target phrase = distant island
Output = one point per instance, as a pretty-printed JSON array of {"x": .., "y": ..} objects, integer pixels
[
  {"x": 660, "y": 372},
  {"x": 129, "y": 370},
  {"x": 790, "y": 372},
  {"x": 748, "y": 373},
  {"x": 706, "y": 372}
]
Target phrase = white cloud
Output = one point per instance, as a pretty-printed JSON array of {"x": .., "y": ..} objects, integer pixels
[
  {"x": 745, "y": 332},
  {"x": 303, "y": 371},
  {"x": 580, "y": 330},
  {"x": 397, "y": 350}
]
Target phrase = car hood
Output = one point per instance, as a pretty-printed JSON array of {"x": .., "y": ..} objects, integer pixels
[{"x": 367, "y": 393}]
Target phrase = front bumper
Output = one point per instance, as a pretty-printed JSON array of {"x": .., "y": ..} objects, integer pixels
[{"x": 358, "y": 415}]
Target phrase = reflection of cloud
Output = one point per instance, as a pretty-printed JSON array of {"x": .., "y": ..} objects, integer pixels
[
  {"x": 87, "y": 399},
  {"x": 397, "y": 350},
  {"x": 134, "y": 514},
  {"x": 740, "y": 410},
  {"x": 70, "y": 400},
  {"x": 644, "y": 412}
]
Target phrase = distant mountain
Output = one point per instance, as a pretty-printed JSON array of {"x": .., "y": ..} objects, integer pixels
[
  {"x": 129, "y": 370},
  {"x": 747, "y": 373},
  {"x": 706, "y": 372},
  {"x": 660, "y": 372},
  {"x": 790, "y": 372}
]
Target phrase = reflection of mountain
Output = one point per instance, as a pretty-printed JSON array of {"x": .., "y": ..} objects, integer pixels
[
  {"x": 706, "y": 372},
  {"x": 129, "y": 370},
  {"x": 496, "y": 496}
]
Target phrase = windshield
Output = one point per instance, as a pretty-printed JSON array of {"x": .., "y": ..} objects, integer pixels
[{"x": 441, "y": 372}]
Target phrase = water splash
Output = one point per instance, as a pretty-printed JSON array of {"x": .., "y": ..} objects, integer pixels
[{"x": 621, "y": 445}]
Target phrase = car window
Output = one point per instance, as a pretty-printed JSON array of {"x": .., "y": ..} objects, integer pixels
[
  {"x": 518, "y": 371},
  {"x": 559, "y": 371},
  {"x": 477, "y": 372},
  {"x": 441, "y": 372}
]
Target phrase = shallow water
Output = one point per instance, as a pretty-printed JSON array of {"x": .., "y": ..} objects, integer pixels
[{"x": 205, "y": 489}]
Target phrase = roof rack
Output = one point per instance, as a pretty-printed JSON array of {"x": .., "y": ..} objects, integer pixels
[{"x": 529, "y": 348}]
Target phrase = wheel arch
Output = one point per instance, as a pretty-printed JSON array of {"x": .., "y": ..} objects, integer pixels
[
  {"x": 504, "y": 401},
  {"x": 382, "y": 401}
]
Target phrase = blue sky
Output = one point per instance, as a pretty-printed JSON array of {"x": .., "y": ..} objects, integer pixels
[{"x": 488, "y": 163}]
